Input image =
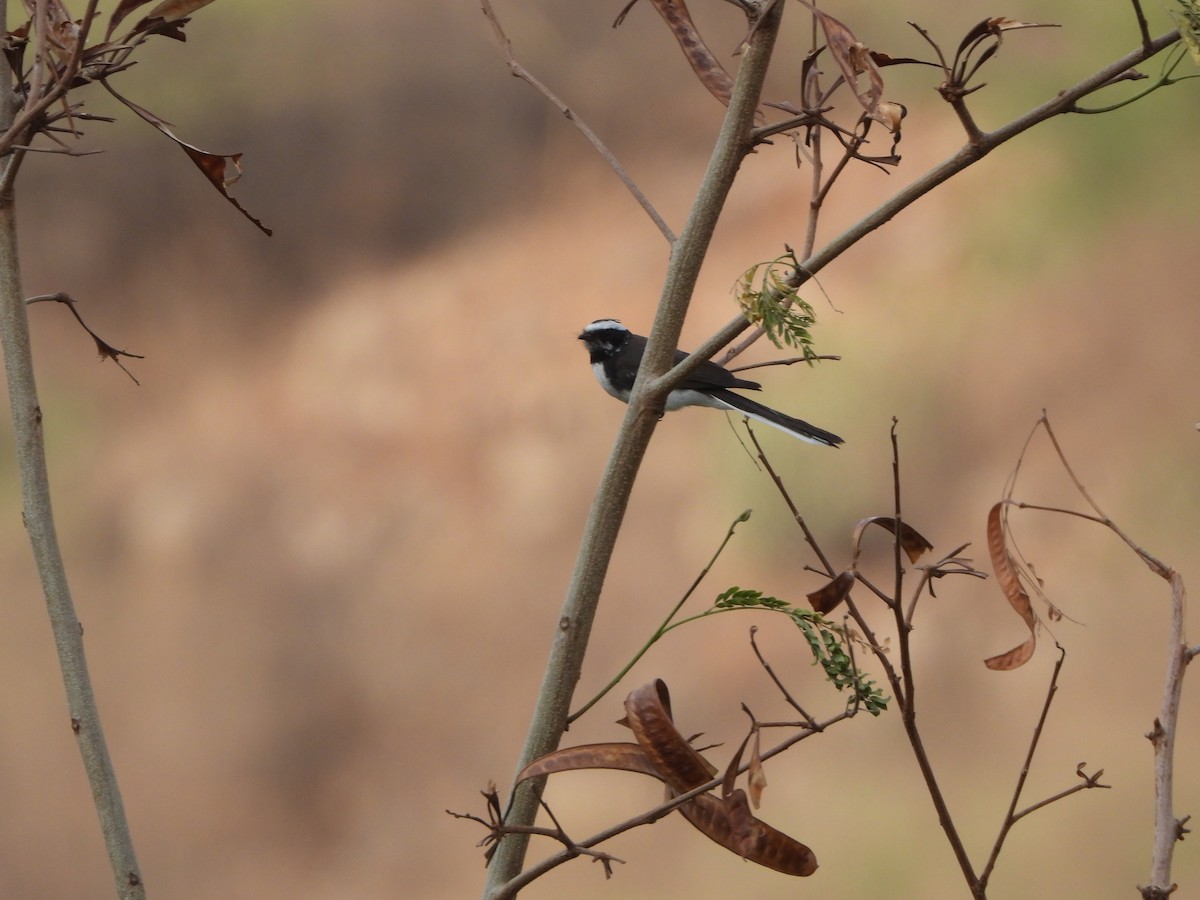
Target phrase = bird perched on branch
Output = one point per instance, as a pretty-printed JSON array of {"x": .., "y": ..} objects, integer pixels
[{"x": 616, "y": 354}]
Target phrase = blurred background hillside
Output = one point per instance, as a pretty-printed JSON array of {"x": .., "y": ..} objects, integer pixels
[{"x": 320, "y": 551}]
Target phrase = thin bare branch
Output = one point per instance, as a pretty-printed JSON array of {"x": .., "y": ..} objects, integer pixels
[
  {"x": 790, "y": 361},
  {"x": 529, "y": 78},
  {"x": 1143, "y": 25},
  {"x": 106, "y": 350},
  {"x": 787, "y": 696},
  {"x": 1011, "y": 817}
]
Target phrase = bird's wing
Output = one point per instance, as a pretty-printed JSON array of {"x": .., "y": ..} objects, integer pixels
[{"x": 709, "y": 376}]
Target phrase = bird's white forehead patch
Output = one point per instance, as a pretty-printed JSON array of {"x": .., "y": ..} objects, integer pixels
[{"x": 604, "y": 325}]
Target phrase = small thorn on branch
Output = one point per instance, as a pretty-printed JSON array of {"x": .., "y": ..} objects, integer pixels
[{"x": 1155, "y": 734}]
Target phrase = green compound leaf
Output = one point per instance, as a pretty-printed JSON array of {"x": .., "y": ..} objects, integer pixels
[
  {"x": 828, "y": 643},
  {"x": 768, "y": 300},
  {"x": 1187, "y": 18}
]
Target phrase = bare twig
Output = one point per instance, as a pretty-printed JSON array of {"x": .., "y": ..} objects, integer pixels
[
  {"x": 790, "y": 361},
  {"x": 106, "y": 350},
  {"x": 529, "y": 78},
  {"x": 905, "y": 689},
  {"x": 809, "y": 538},
  {"x": 666, "y": 623},
  {"x": 787, "y": 696},
  {"x": 1143, "y": 25},
  {"x": 1013, "y": 816}
]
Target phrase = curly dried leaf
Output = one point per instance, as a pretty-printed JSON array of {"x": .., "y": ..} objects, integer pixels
[
  {"x": 756, "y": 776},
  {"x": 625, "y": 757},
  {"x": 648, "y": 714},
  {"x": 124, "y": 8},
  {"x": 825, "y": 599},
  {"x": 912, "y": 542},
  {"x": 882, "y": 59},
  {"x": 663, "y": 753},
  {"x": 995, "y": 28},
  {"x": 854, "y": 59},
  {"x": 710, "y": 72},
  {"x": 729, "y": 822},
  {"x": 168, "y": 18},
  {"x": 1010, "y": 583},
  {"x": 62, "y": 32},
  {"x": 174, "y": 10},
  {"x": 213, "y": 165}
]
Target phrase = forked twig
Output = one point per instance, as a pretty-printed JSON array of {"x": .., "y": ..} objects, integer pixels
[
  {"x": 106, "y": 350},
  {"x": 787, "y": 696},
  {"x": 1013, "y": 815}
]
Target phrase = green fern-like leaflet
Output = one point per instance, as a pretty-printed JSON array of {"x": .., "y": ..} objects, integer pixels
[
  {"x": 768, "y": 300},
  {"x": 826, "y": 640}
]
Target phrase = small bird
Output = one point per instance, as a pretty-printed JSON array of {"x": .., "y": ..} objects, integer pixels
[{"x": 616, "y": 354}]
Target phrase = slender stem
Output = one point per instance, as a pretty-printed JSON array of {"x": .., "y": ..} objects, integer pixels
[
  {"x": 39, "y": 523},
  {"x": 519, "y": 71},
  {"x": 907, "y": 697},
  {"x": 666, "y": 623},
  {"x": 1012, "y": 816},
  {"x": 1166, "y": 826}
]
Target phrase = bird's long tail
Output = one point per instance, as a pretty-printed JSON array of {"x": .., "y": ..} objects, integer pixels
[{"x": 795, "y": 427}]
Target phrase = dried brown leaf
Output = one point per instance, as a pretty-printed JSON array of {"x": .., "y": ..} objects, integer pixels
[
  {"x": 213, "y": 165},
  {"x": 662, "y": 752},
  {"x": 826, "y": 598},
  {"x": 729, "y": 822},
  {"x": 756, "y": 776},
  {"x": 62, "y": 31},
  {"x": 995, "y": 27},
  {"x": 1010, "y": 583},
  {"x": 167, "y": 19},
  {"x": 174, "y": 10},
  {"x": 706, "y": 66},
  {"x": 891, "y": 115},
  {"x": 648, "y": 710},
  {"x": 623, "y": 756},
  {"x": 912, "y": 542},
  {"x": 854, "y": 59},
  {"x": 882, "y": 59},
  {"x": 124, "y": 8}
]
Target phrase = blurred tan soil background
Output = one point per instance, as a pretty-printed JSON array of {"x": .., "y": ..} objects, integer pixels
[{"x": 319, "y": 553}]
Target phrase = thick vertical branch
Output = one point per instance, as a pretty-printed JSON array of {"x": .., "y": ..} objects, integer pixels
[
  {"x": 39, "y": 522},
  {"x": 612, "y": 496},
  {"x": 1167, "y": 828}
]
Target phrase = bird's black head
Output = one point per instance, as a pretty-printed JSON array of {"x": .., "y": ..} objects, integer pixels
[{"x": 604, "y": 338}]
